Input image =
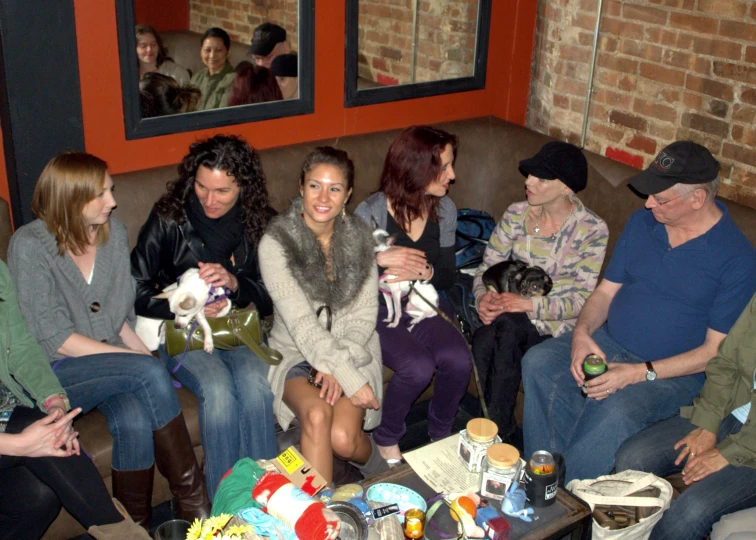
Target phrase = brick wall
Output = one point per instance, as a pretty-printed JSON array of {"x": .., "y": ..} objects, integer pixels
[
  {"x": 240, "y": 17},
  {"x": 446, "y": 31},
  {"x": 666, "y": 70}
]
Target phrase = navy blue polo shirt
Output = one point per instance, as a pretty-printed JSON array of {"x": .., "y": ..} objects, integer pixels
[{"x": 670, "y": 296}]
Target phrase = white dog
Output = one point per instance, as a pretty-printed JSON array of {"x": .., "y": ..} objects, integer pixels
[
  {"x": 186, "y": 300},
  {"x": 393, "y": 293}
]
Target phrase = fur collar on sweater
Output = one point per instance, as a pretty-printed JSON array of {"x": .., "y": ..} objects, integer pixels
[{"x": 352, "y": 256}]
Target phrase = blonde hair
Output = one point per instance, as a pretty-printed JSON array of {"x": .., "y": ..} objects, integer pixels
[{"x": 68, "y": 182}]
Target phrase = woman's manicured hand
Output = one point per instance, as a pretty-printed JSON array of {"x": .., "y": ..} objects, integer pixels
[
  {"x": 330, "y": 390},
  {"x": 694, "y": 444},
  {"x": 405, "y": 263},
  {"x": 214, "y": 274},
  {"x": 702, "y": 465},
  {"x": 46, "y": 436},
  {"x": 364, "y": 398}
]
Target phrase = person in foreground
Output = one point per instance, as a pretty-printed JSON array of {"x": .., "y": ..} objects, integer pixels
[
  {"x": 215, "y": 80},
  {"x": 679, "y": 276},
  {"x": 71, "y": 270},
  {"x": 713, "y": 442},
  {"x": 317, "y": 262},
  {"x": 412, "y": 205},
  {"x": 41, "y": 465},
  {"x": 552, "y": 230},
  {"x": 212, "y": 218}
]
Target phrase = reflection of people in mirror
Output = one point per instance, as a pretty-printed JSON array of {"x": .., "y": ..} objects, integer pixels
[
  {"x": 268, "y": 41},
  {"x": 160, "y": 95},
  {"x": 285, "y": 68},
  {"x": 153, "y": 56},
  {"x": 253, "y": 84},
  {"x": 465, "y": 453},
  {"x": 215, "y": 80},
  {"x": 494, "y": 487}
]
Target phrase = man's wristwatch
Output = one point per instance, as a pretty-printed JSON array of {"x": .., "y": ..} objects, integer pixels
[{"x": 650, "y": 372}]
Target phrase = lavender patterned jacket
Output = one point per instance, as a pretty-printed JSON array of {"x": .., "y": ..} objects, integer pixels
[{"x": 573, "y": 261}]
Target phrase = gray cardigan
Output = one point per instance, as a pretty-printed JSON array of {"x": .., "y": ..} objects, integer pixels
[{"x": 56, "y": 299}]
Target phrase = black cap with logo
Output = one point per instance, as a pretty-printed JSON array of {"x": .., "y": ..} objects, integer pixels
[{"x": 682, "y": 162}]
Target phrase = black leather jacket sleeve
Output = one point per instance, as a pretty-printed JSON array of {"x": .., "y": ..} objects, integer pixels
[{"x": 165, "y": 250}]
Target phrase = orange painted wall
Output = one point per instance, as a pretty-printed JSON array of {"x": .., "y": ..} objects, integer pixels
[
  {"x": 162, "y": 15},
  {"x": 4, "y": 192},
  {"x": 505, "y": 94}
]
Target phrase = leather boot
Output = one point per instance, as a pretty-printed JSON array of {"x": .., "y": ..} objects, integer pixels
[
  {"x": 134, "y": 490},
  {"x": 123, "y": 530},
  {"x": 176, "y": 461}
]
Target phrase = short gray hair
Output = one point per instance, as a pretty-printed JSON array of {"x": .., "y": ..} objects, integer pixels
[{"x": 710, "y": 188}]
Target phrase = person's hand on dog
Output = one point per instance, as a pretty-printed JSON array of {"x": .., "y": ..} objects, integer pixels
[
  {"x": 489, "y": 307},
  {"x": 330, "y": 390},
  {"x": 616, "y": 378},
  {"x": 214, "y": 274},
  {"x": 702, "y": 465},
  {"x": 514, "y": 303},
  {"x": 582, "y": 346},
  {"x": 212, "y": 310},
  {"x": 364, "y": 398},
  {"x": 405, "y": 263},
  {"x": 694, "y": 444}
]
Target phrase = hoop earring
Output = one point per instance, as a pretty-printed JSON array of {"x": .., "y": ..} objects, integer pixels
[{"x": 343, "y": 214}]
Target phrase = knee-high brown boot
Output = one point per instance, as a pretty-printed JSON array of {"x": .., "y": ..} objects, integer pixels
[
  {"x": 175, "y": 460},
  {"x": 134, "y": 490}
]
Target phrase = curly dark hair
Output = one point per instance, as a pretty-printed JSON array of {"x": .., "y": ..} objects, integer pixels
[{"x": 234, "y": 156}]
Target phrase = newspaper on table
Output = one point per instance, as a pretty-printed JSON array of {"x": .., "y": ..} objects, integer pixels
[{"x": 439, "y": 466}]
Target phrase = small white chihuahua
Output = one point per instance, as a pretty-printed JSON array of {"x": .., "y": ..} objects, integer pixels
[
  {"x": 186, "y": 300},
  {"x": 393, "y": 293}
]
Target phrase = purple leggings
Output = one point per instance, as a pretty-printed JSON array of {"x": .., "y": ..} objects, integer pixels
[{"x": 433, "y": 346}]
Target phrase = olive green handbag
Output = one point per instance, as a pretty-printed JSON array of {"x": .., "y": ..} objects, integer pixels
[{"x": 240, "y": 328}]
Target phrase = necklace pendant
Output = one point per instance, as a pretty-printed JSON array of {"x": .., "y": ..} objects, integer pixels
[{"x": 536, "y": 229}]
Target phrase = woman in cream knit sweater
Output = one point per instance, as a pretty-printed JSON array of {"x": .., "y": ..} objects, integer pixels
[{"x": 318, "y": 266}]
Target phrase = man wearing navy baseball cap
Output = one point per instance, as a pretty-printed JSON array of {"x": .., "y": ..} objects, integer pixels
[
  {"x": 679, "y": 277},
  {"x": 268, "y": 41}
]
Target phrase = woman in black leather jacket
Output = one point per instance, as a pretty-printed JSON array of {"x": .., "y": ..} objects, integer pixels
[{"x": 212, "y": 217}]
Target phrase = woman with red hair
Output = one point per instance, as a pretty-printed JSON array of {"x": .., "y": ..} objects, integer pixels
[
  {"x": 413, "y": 207},
  {"x": 253, "y": 84}
]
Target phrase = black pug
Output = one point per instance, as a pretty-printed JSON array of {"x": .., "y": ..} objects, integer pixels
[{"x": 516, "y": 277}]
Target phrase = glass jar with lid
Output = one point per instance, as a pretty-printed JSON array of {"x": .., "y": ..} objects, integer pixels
[
  {"x": 499, "y": 469},
  {"x": 479, "y": 434}
]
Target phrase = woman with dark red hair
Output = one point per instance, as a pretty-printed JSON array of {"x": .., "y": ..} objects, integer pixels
[
  {"x": 413, "y": 207},
  {"x": 253, "y": 84}
]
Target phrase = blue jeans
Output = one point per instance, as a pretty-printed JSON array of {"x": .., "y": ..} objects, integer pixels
[
  {"x": 693, "y": 514},
  {"x": 585, "y": 431},
  {"x": 135, "y": 394},
  {"x": 235, "y": 407}
]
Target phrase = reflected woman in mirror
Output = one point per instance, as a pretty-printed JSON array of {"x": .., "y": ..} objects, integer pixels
[
  {"x": 318, "y": 264},
  {"x": 413, "y": 206},
  {"x": 215, "y": 80},
  {"x": 75, "y": 289},
  {"x": 153, "y": 57},
  {"x": 160, "y": 95},
  {"x": 253, "y": 84},
  {"x": 212, "y": 218}
]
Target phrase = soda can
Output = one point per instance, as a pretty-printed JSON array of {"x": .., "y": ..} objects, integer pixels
[
  {"x": 542, "y": 463},
  {"x": 593, "y": 366}
]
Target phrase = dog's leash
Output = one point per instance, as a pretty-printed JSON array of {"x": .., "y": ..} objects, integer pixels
[
  {"x": 210, "y": 297},
  {"x": 445, "y": 317}
]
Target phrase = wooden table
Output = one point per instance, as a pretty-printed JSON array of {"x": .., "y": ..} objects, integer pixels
[{"x": 575, "y": 520}]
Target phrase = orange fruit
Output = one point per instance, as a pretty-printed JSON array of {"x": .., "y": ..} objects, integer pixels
[{"x": 463, "y": 505}]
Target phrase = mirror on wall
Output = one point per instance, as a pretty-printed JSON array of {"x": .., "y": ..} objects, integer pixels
[
  {"x": 178, "y": 75},
  {"x": 402, "y": 49}
]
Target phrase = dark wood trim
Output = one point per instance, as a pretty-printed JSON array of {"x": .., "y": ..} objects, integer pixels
[
  {"x": 137, "y": 128},
  {"x": 40, "y": 97},
  {"x": 370, "y": 96}
]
